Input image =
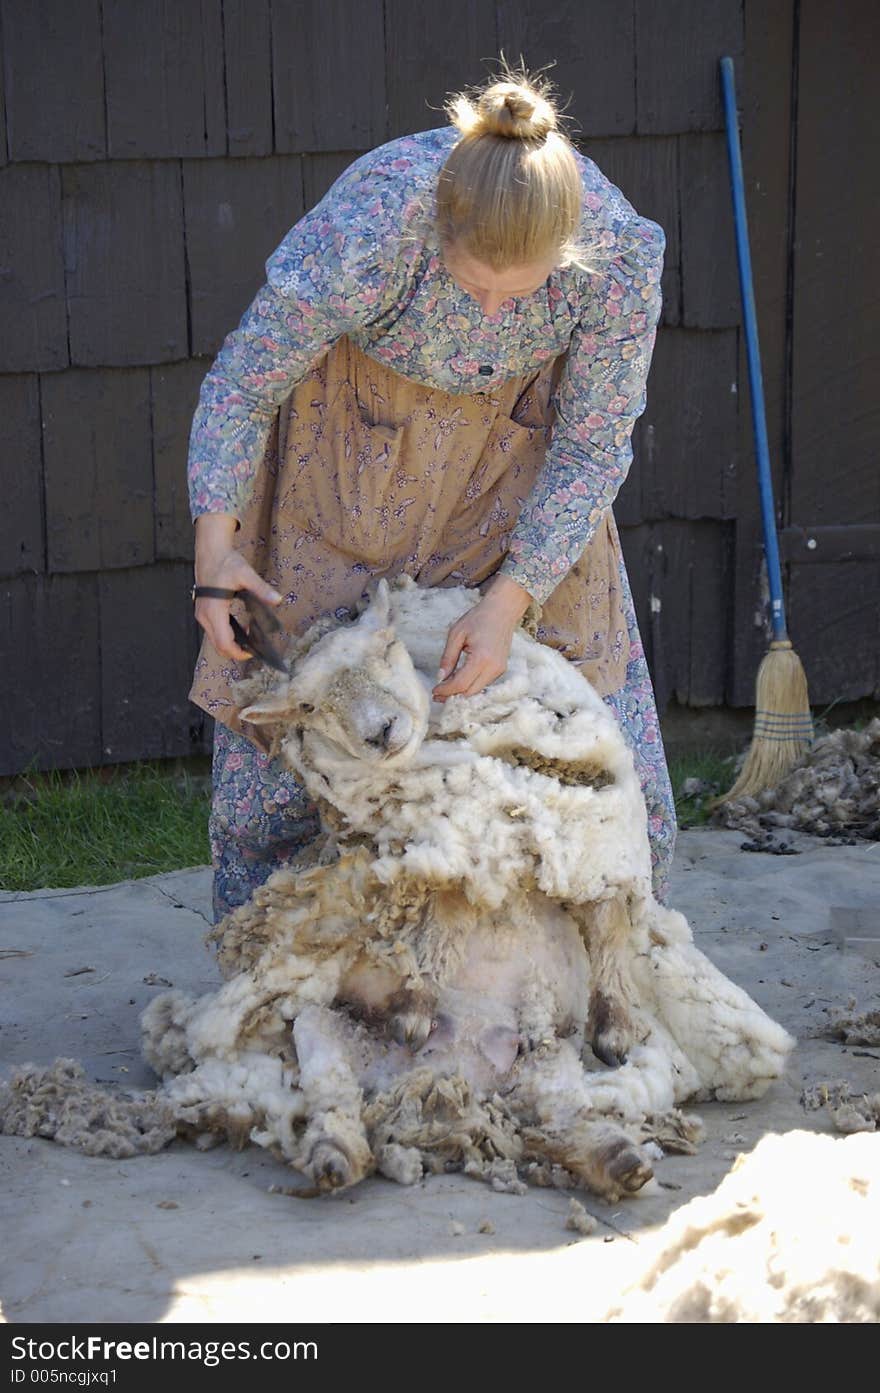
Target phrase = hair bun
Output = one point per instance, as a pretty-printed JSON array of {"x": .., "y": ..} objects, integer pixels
[
  {"x": 517, "y": 106},
  {"x": 514, "y": 110}
]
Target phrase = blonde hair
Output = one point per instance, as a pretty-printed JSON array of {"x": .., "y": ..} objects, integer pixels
[{"x": 510, "y": 190}]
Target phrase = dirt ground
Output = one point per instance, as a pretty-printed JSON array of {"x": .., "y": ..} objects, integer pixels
[{"x": 185, "y": 1235}]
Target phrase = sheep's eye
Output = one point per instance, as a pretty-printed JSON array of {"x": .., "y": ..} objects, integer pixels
[{"x": 306, "y": 708}]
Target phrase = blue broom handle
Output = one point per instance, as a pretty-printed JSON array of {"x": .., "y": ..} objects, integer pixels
[{"x": 759, "y": 419}]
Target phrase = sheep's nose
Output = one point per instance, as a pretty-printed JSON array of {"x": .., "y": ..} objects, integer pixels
[{"x": 381, "y": 738}]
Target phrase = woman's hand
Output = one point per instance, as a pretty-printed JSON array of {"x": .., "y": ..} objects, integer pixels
[
  {"x": 484, "y": 634},
  {"x": 218, "y": 563}
]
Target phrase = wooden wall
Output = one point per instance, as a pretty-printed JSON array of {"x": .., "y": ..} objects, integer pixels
[{"x": 153, "y": 154}]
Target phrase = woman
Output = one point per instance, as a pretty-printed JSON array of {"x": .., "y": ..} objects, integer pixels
[{"x": 460, "y": 335}]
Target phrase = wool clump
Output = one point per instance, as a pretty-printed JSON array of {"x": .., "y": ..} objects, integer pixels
[
  {"x": 834, "y": 792},
  {"x": 761, "y": 1250}
]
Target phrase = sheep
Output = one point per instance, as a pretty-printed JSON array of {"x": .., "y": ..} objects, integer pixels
[
  {"x": 469, "y": 969},
  {"x": 481, "y": 897}
]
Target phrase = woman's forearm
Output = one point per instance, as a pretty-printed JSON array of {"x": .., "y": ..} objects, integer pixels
[
  {"x": 215, "y": 538},
  {"x": 508, "y": 597}
]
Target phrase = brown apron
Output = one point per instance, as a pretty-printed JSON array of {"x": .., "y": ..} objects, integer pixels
[{"x": 369, "y": 474}]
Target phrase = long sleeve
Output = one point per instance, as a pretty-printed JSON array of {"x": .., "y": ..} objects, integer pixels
[
  {"x": 340, "y": 267},
  {"x": 600, "y": 397}
]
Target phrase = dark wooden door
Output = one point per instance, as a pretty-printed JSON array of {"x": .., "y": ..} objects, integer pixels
[
  {"x": 831, "y": 540},
  {"x": 813, "y": 185}
]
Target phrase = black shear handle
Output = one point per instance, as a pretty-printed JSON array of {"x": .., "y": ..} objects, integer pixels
[{"x": 264, "y": 637}]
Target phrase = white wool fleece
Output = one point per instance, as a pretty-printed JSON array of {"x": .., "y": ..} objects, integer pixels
[{"x": 456, "y": 808}]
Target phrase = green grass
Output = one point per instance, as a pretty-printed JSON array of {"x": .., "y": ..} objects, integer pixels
[
  {"x": 99, "y": 826},
  {"x": 713, "y": 768},
  {"x": 95, "y": 827}
]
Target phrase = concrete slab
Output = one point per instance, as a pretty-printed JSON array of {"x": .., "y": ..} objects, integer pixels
[{"x": 197, "y": 1236}]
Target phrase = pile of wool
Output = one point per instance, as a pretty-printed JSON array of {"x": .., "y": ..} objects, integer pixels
[
  {"x": 854, "y": 1028},
  {"x": 833, "y": 792},
  {"x": 849, "y": 1109},
  {"x": 789, "y": 1236},
  {"x": 60, "y": 1103}
]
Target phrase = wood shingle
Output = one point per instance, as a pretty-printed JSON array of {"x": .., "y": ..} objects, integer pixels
[
  {"x": 54, "y": 80},
  {"x": 33, "y": 315},
  {"x": 124, "y": 260},
  {"x": 99, "y": 513}
]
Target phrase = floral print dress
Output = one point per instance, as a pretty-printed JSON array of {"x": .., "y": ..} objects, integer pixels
[{"x": 363, "y": 268}]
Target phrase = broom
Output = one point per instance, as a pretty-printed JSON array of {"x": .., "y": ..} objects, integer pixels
[{"x": 783, "y": 726}]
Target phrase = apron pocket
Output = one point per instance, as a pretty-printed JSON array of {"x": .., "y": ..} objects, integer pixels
[{"x": 500, "y": 482}]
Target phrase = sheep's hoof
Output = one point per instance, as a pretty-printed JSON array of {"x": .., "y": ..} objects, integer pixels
[
  {"x": 627, "y": 1168},
  {"x": 604, "y": 1049},
  {"x": 410, "y": 1028},
  {"x": 330, "y": 1168},
  {"x": 612, "y": 1033}
]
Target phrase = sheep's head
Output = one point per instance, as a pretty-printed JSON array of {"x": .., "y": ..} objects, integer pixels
[{"x": 354, "y": 686}]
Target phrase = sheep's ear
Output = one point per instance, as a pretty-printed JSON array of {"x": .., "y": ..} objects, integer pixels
[
  {"x": 378, "y": 614},
  {"x": 270, "y": 710}
]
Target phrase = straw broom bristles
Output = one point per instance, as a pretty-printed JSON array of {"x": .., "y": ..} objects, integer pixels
[{"x": 783, "y": 728}]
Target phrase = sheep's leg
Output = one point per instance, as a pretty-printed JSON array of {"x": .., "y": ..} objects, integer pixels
[
  {"x": 607, "y": 928},
  {"x": 334, "y": 1151},
  {"x": 552, "y": 1100},
  {"x": 414, "y": 1009},
  {"x": 599, "y": 1153}
]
